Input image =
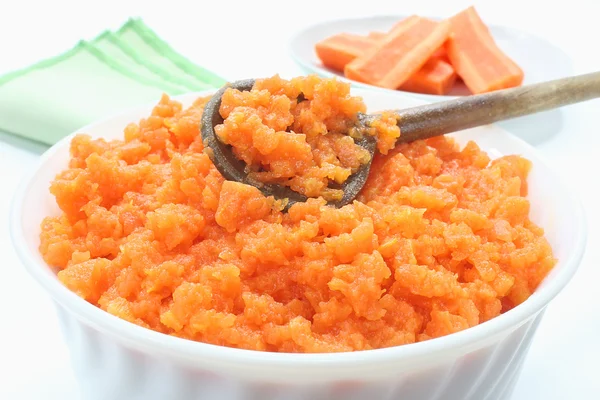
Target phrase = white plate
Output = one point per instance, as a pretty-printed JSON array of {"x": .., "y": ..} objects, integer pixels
[{"x": 539, "y": 59}]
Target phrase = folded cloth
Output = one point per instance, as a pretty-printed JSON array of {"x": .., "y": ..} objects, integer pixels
[{"x": 113, "y": 72}]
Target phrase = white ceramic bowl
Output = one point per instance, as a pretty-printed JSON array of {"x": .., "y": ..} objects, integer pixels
[{"x": 114, "y": 359}]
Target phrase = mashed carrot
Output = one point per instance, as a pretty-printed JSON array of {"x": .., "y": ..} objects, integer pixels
[
  {"x": 438, "y": 241},
  {"x": 296, "y": 133}
]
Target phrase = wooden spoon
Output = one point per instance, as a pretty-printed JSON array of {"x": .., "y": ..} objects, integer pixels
[{"x": 415, "y": 123}]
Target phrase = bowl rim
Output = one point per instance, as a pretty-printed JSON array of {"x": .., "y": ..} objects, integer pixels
[
  {"x": 320, "y": 70},
  {"x": 196, "y": 353}
]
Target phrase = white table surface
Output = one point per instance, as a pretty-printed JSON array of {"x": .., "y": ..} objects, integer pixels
[{"x": 563, "y": 361}]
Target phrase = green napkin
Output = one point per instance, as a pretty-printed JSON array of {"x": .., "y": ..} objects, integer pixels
[{"x": 113, "y": 72}]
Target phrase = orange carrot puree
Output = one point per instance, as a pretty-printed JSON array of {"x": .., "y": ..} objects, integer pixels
[{"x": 439, "y": 240}]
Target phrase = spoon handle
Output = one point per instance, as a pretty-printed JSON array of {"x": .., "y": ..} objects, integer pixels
[{"x": 439, "y": 118}]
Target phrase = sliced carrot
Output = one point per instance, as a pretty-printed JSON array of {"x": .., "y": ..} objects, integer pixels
[
  {"x": 477, "y": 58},
  {"x": 338, "y": 50},
  {"x": 439, "y": 53},
  {"x": 435, "y": 77},
  {"x": 376, "y": 35},
  {"x": 402, "y": 53}
]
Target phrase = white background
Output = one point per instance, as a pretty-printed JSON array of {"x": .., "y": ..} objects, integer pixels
[{"x": 240, "y": 39}]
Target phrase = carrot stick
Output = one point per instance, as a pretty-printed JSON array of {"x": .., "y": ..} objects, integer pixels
[
  {"x": 477, "y": 58},
  {"x": 338, "y": 50},
  {"x": 439, "y": 53},
  {"x": 435, "y": 77},
  {"x": 376, "y": 35},
  {"x": 401, "y": 54}
]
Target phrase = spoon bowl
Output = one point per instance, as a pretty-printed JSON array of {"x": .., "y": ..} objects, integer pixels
[{"x": 234, "y": 169}]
